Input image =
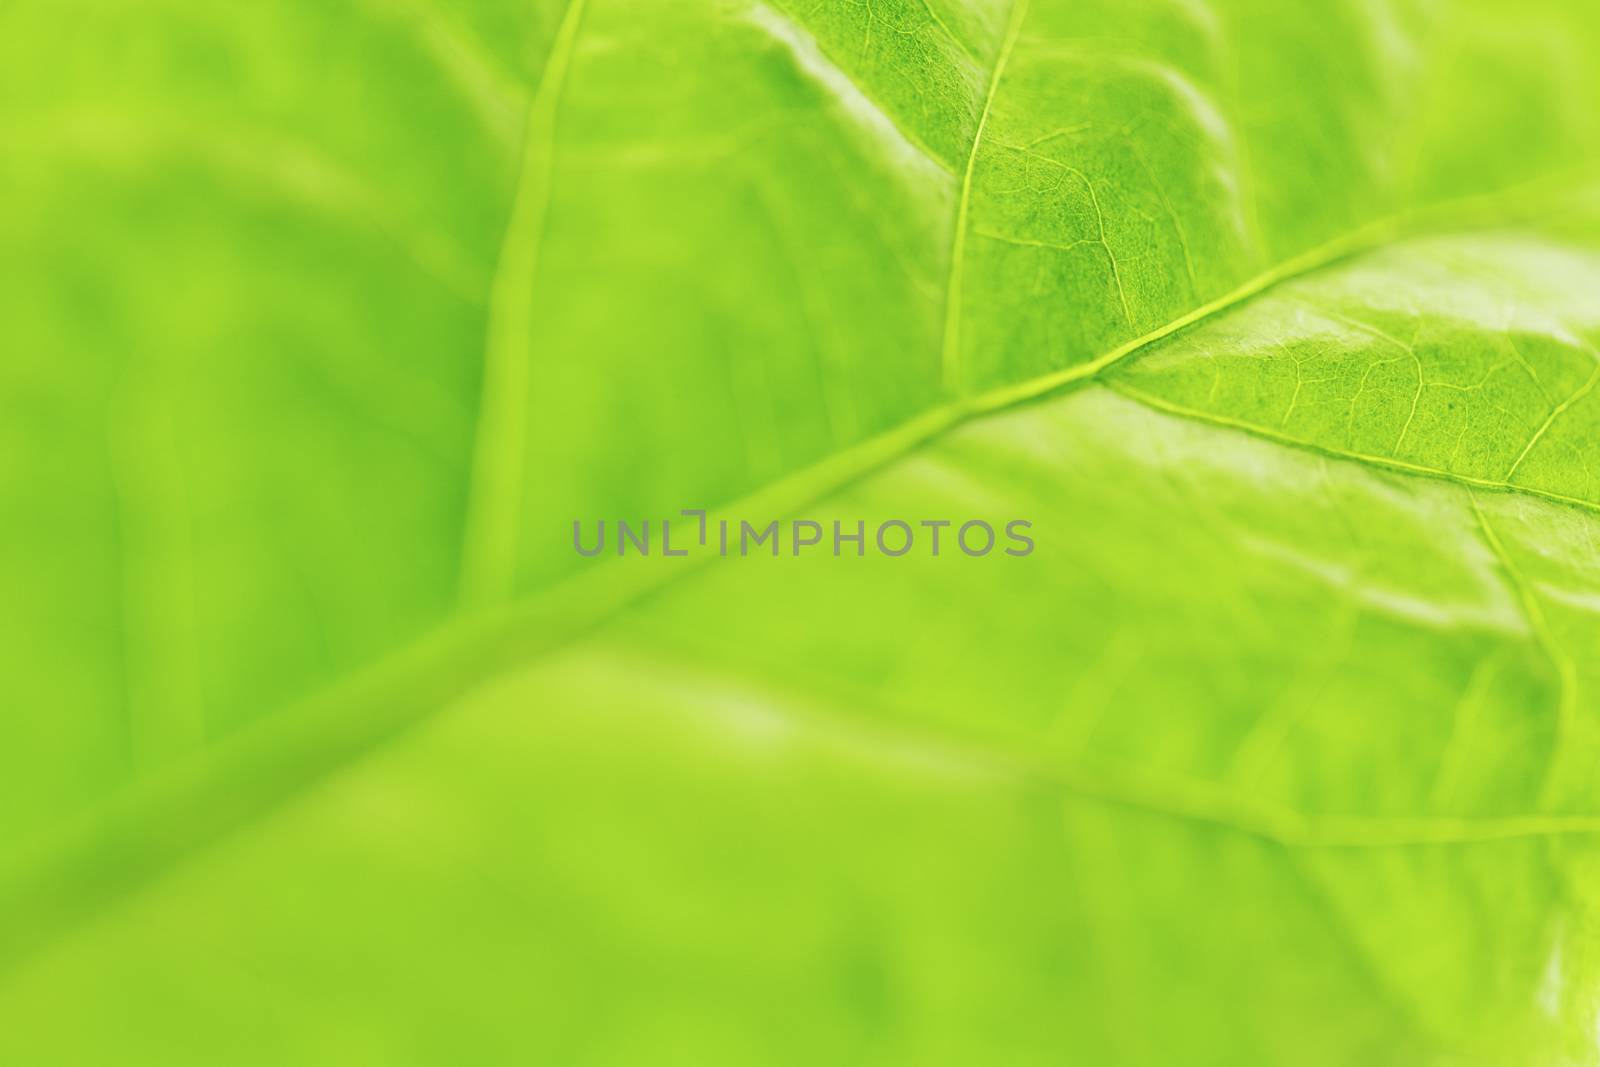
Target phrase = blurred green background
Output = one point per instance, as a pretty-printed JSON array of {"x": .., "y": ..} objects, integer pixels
[{"x": 323, "y": 322}]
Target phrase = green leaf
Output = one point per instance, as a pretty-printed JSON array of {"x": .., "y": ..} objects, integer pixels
[{"x": 1278, "y": 323}]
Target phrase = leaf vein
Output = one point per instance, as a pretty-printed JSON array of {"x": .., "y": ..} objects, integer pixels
[
  {"x": 494, "y": 493},
  {"x": 950, "y": 349}
]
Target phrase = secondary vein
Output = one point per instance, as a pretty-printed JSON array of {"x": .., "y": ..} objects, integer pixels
[
  {"x": 1566, "y": 672},
  {"x": 1399, "y": 466},
  {"x": 494, "y": 495},
  {"x": 950, "y": 349}
]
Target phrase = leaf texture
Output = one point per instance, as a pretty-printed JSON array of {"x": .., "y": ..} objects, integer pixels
[{"x": 1279, "y": 323}]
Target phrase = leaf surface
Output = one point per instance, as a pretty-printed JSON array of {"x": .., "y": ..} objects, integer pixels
[{"x": 1279, "y": 323}]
